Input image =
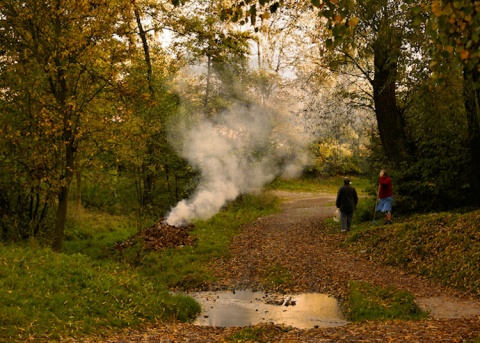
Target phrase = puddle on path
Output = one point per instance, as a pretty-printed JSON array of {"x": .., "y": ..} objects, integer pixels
[{"x": 245, "y": 308}]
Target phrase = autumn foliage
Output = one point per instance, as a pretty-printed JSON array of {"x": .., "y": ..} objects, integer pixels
[{"x": 444, "y": 247}]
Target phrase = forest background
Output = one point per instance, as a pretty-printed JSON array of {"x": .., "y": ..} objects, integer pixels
[
  {"x": 115, "y": 115},
  {"x": 102, "y": 102}
]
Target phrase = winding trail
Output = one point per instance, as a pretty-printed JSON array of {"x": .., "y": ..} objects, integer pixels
[{"x": 295, "y": 242}]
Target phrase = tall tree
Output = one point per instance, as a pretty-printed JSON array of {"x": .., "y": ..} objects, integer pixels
[
  {"x": 216, "y": 48},
  {"x": 376, "y": 45},
  {"x": 156, "y": 168},
  {"x": 67, "y": 53},
  {"x": 454, "y": 31},
  {"x": 386, "y": 52},
  {"x": 365, "y": 30}
]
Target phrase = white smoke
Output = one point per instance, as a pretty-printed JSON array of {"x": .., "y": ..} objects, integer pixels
[{"x": 237, "y": 152}]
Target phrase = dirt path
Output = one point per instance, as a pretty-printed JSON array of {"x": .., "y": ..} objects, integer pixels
[{"x": 294, "y": 241}]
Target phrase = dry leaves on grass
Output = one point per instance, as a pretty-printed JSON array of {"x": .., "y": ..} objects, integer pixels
[
  {"x": 160, "y": 235},
  {"x": 427, "y": 331},
  {"x": 296, "y": 242},
  {"x": 294, "y": 245}
]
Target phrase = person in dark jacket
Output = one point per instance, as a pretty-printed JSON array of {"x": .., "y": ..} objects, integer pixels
[{"x": 347, "y": 200}]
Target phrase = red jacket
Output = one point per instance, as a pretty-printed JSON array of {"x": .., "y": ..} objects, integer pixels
[{"x": 386, "y": 188}]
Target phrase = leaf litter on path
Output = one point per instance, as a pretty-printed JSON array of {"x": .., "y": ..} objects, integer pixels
[{"x": 294, "y": 242}]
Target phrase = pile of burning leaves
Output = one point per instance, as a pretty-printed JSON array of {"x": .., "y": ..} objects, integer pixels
[{"x": 160, "y": 235}]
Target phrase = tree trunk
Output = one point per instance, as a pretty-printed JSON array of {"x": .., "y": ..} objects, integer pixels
[
  {"x": 209, "y": 75},
  {"x": 61, "y": 218},
  {"x": 471, "y": 94},
  {"x": 391, "y": 124},
  {"x": 78, "y": 196},
  {"x": 148, "y": 177},
  {"x": 146, "y": 50},
  {"x": 63, "y": 194}
]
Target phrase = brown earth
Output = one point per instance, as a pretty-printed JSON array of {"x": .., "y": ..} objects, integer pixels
[{"x": 295, "y": 240}]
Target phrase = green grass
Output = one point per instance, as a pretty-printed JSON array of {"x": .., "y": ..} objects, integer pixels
[
  {"x": 444, "y": 247},
  {"x": 278, "y": 276},
  {"x": 92, "y": 232},
  {"x": 367, "y": 302},
  {"x": 326, "y": 184},
  {"x": 187, "y": 268},
  {"x": 46, "y": 295},
  {"x": 89, "y": 289}
]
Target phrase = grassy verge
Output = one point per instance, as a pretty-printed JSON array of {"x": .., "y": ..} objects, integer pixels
[
  {"x": 325, "y": 184},
  {"x": 187, "y": 268},
  {"x": 91, "y": 233},
  {"x": 90, "y": 289},
  {"x": 367, "y": 302},
  {"x": 46, "y": 296},
  {"x": 259, "y": 333},
  {"x": 444, "y": 247}
]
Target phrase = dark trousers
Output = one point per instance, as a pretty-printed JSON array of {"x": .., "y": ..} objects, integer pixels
[{"x": 346, "y": 220}]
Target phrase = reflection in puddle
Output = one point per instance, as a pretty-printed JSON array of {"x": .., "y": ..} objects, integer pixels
[{"x": 245, "y": 308}]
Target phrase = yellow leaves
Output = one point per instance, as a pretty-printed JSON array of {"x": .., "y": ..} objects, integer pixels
[
  {"x": 449, "y": 49},
  {"x": 353, "y": 22},
  {"x": 464, "y": 54},
  {"x": 452, "y": 18},
  {"x": 457, "y": 18},
  {"x": 437, "y": 8}
]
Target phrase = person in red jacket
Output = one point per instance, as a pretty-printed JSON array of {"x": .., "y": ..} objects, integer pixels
[{"x": 385, "y": 196}]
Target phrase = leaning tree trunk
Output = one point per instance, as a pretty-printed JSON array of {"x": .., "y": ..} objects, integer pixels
[
  {"x": 471, "y": 94},
  {"x": 391, "y": 123},
  {"x": 147, "y": 175}
]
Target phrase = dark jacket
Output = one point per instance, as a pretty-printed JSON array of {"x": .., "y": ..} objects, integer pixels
[{"x": 347, "y": 199}]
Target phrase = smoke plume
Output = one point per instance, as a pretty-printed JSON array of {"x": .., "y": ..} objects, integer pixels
[{"x": 237, "y": 152}]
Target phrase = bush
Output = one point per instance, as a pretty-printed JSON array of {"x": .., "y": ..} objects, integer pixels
[
  {"x": 436, "y": 181},
  {"x": 365, "y": 211}
]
